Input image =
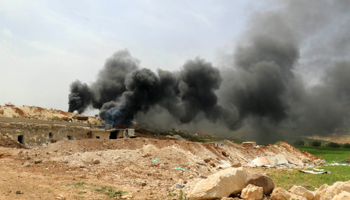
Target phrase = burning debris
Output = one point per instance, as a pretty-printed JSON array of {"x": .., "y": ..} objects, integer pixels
[{"x": 263, "y": 88}]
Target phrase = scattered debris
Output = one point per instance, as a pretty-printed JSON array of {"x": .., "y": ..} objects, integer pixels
[
  {"x": 313, "y": 172},
  {"x": 179, "y": 186},
  {"x": 261, "y": 161},
  {"x": 180, "y": 168}
]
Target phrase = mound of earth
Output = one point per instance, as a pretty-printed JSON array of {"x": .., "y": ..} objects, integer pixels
[
  {"x": 34, "y": 112},
  {"x": 144, "y": 168}
]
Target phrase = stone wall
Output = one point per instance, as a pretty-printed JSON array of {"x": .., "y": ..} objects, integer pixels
[{"x": 32, "y": 135}]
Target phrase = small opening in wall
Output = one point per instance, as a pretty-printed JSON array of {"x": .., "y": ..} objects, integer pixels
[
  {"x": 20, "y": 139},
  {"x": 70, "y": 137},
  {"x": 50, "y": 135},
  {"x": 98, "y": 137},
  {"x": 113, "y": 135}
]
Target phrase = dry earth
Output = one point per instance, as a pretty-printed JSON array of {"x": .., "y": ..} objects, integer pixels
[
  {"x": 142, "y": 167},
  {"x": 34, "y": 112}
]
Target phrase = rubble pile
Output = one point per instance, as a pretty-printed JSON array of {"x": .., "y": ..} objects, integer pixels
[
  {"x": 338, "y": 191},
  {"x": 164, "y": 166},
  {"x": 154, "y": 169},
  {"x": 212, "y": 158},
  {"x": 233, "y": 183}
]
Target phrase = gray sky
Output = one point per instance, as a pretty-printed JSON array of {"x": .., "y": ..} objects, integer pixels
[{"x": 46, "y": 45}]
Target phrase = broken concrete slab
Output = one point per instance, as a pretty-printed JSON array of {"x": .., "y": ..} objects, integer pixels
[
  {"x": 261, "y": 161},
  {"x": 280, "y": 159}
]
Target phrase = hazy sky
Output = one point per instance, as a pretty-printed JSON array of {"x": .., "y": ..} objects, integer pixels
[{"x": 46, "y": 45}]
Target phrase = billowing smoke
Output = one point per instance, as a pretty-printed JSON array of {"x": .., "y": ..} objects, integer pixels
[
  {"x": 80, "y": 97},
  {"x": 184, "y": 94},
  {"x": 108, "y": 86},
  {"x": 288, "y": 72}
]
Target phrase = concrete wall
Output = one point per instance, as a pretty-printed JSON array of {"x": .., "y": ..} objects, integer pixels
[
  {"x": 100, "y": 133},
  {"x": 34, "y": 135}
]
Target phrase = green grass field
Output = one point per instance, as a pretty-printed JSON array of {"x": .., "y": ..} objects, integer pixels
[
  {"x": 329, "y": 154},
  {"x": 289, "y": 177}
]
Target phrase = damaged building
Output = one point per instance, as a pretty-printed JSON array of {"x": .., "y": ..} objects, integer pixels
[{"x": 32, "y": 133}]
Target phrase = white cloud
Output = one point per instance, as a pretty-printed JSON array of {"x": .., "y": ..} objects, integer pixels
[{"x": 6, "y": 32}]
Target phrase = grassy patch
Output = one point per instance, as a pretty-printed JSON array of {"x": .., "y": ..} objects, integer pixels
[
  {"x": 329, "y": 154},
  {"x": 287, "y": 179},
  {"x": 79, "y": 184},
  {"x": 106, "y": 191},
  {"x": 110, "y": 191},
  {"x": 171, "y": 194}
]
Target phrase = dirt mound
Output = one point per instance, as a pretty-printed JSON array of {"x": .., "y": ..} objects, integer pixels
[
  {"x": 145, "y": 168},
  {"x": 6, "y": 141},
  {"x": 33, "y": 112},
  {"x": 216, "y": 155}
]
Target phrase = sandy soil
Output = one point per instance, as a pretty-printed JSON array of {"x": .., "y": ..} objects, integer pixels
[
  {"x": 34, "y": 112},
  {"x": 142, "y": 167}
]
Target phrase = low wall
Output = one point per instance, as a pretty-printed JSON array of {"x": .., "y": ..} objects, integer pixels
[
  {"x": 32, "y": 135},
  {"x": 38, "y": 121}
]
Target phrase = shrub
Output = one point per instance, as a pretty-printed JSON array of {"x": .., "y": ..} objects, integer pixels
[
  {"x": 346, "y": 146},
  {"x": 333, "y": 145},
  {"x": 316, "y": 143},
  {"x": 299, "y": 143},
  {"x": 55, "y": 118}
]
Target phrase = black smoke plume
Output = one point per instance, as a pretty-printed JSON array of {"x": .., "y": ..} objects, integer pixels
[
  {"x": 108, "y": 86},
  {"x": 288, "y": 73},
  {"x": 184, "y": 94}
]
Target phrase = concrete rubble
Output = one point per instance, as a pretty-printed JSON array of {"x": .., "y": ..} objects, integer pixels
[
  {"x": 220, "y": 184},
  {"x": 301, "y": 191},
  {"x": 280, "y": 194},
  {"x": 252, "y": 192},
  {"x": 262, "y": 181},
  {"x": 231, "y": 182}
]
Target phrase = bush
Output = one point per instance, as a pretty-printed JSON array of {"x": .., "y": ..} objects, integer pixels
[
  {"x": 55, "y": 118},
  {"x": 316, "y": 143},
  {"x": 346, "y": 146},
  {"x": 333, "y": 145},
  {"x": 299, "y": 143}
]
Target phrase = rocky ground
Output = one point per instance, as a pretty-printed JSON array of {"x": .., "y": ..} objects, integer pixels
[{"x": 139, "y": 168}]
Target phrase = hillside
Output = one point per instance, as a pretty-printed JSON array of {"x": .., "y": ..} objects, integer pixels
[{"x": 34, "y": 112}]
